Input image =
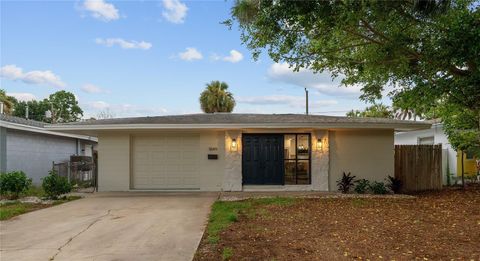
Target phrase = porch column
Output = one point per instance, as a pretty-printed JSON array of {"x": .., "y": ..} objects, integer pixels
[
  {"x": 320, "y": 160},
  {"x": 232, "y": 179}
]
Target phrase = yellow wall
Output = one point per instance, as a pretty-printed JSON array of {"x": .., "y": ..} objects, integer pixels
[{"x": 469, "y": 165}]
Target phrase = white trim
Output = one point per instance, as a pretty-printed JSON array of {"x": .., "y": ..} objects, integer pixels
[
  {"x": 23, "y": 127},
  {"x": 353, "y": 125}
]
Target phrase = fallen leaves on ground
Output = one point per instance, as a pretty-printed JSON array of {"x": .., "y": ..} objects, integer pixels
[{"x": 440, "y": 225}]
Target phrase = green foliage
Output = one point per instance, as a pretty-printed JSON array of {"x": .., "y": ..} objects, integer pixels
[
  {"x": 378, "y": 188},
  {"x": 216, "y": 98},
  {"x": 345, "y": 183},
  {"x": 372, "y": 43},
  {"x": 65, "y": 107},
  {"x": 394, "y": 184},
  {"x": 227, "y": 253},
  {"x": 13, "y": 183},
  {"x": 220, "y": 217},
  {"x": 8, "y": 102},
  {"x": 362, "y": 186},
  {"x": 62, "y": 104},
  {"x": 36, "y": 110},
  {"x": 375, "y": 111},
  {"x": 10, "y": 210},
  {"x": 462, "y": 127},
  {"x": 55, "y": 185}
]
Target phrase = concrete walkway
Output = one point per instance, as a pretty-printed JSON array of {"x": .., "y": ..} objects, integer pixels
[{"x": 110, "y": 226}]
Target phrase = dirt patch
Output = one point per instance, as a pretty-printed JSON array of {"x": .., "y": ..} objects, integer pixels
[{"x": 433, "y": 226}]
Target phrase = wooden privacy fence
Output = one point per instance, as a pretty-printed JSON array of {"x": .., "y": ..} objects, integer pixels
[{"x": 419, "y": 167}]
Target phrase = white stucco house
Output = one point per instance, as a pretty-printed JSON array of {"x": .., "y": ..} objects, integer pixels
[
  {"x": 240, "y": 152},
  {"x": 27, "y": 146}
]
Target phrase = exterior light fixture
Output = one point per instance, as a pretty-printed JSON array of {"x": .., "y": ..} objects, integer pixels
[
  {"x": 234, "y": 145},
  {"x": 319, "y": 145}
]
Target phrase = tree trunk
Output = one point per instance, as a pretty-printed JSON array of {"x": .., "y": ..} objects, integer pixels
[{"x": 463, "y": 172}]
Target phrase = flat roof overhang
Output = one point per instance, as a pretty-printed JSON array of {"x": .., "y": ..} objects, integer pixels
[{"x": 94, "y": 130}]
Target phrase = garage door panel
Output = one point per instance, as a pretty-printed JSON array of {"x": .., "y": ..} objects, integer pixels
[{"x": 165, "y": 162}]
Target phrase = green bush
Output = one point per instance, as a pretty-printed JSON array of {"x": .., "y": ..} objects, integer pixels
[
  {"x": 13, "y": 183},
  {"x": 394, "y": 184},
  {"x": 378, "y": 188},
  {"x": 55, "y": 185},
  {"x": 346, "y": 182},
  {"x": 362, "y": 186}
]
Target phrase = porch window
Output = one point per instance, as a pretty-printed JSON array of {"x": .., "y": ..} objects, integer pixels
[{"x": 297, "y": 159}]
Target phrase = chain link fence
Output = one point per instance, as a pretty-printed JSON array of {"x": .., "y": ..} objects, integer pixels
[{"x": 80, "y": 172}]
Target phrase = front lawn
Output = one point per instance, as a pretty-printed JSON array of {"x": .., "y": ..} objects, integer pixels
[
  {"x": 12, "y": 209},
  {"x": 434, "y": 226}
]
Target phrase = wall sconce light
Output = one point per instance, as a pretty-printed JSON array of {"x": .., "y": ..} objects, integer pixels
[
  {"x": 234, "y": 145},
  {"x": 319, "y": 144}
]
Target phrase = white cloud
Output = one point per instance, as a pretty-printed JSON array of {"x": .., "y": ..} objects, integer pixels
[
  {"x": 121, "y": 110},
  {"x": 12, "y": 72},
  {"x": 191, "y": 54},
  {"x": 91, "y": 88},
  {"x": 292, "y": 101},
  {"x": 175, "y": 11},
  {"x": 124, "y": 44},
  {"x": 234, "y": 57},
  {"x": 98, "y": 105},
  {"x": 322, "y": 82},
  {"x": 22, "y": 96},
  {"x": 101, "y": 10}
]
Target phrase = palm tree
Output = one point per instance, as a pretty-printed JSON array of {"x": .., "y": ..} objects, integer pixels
[
  {"x": 7, "y": 102},
  {"x": 216, "y": 98}
]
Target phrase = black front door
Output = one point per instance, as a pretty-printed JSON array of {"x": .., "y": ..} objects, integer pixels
[{"x": 262, "y": 159}]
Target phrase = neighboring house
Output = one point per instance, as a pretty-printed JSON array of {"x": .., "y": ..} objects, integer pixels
[
  {"x": 436, "y": 135},
  {"x": 27, "y": 146},
  {"x": 240, "y": 152}
]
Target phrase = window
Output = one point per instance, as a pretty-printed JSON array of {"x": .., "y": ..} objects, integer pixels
[
  {"x": 297, "y": 159},
  {"x": 425, "y": 141}
]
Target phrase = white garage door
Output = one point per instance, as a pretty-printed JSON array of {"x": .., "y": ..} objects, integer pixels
[{"x": 165, "y": 162}]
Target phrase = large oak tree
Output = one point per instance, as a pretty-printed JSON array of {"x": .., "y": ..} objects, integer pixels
[{"x": 428, "y": 51}]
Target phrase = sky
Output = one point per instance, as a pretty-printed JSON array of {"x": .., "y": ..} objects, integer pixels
[{"x": 147, "y": 58}]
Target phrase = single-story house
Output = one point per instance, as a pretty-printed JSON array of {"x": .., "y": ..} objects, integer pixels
[
  {"x": 240, "y": 152},
  {"x": 436, "y": 135},
  {"x": 27, "y": 146}
]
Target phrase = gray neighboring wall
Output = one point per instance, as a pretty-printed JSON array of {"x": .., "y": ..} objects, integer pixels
[
  {"x": 33, "y": 153},
  {"x": 25, "y": 145}
]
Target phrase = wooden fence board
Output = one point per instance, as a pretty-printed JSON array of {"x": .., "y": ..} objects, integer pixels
[{"x": 419, "y": 167}]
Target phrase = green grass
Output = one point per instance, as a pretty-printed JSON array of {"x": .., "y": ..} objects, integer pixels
[
  {"x": 225, "y": 213},
  {"x": 227, "y": 253},
  {"x": 16, "y": 208},
  {"x": 34, "y": 191}
]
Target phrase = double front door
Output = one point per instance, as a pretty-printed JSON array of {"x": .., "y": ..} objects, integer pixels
[{"x": 263, "y": 159}]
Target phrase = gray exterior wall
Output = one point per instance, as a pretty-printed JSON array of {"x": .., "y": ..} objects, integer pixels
[
  {"x": 3, "y": 149},
  {"x": 34, "y": 153}
]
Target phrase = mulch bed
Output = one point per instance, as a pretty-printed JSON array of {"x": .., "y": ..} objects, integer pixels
[{"x": 441, "y": 225}]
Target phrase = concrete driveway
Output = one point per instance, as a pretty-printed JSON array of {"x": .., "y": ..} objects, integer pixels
[{"x": 110, "y": 226}]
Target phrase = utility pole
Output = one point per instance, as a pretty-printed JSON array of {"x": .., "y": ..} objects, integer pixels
[{"x": 306, "y": 101}]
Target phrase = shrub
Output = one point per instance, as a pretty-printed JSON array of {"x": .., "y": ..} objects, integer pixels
[
  {"x": 55, "y": 185},
  {"x": 13, "y": 183},
  {"x": 394, "y": 184},
  {"x": 378, "y": 188},
  {"x": 346, "y": 182},
  {"x": 362, "y": 186}
]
